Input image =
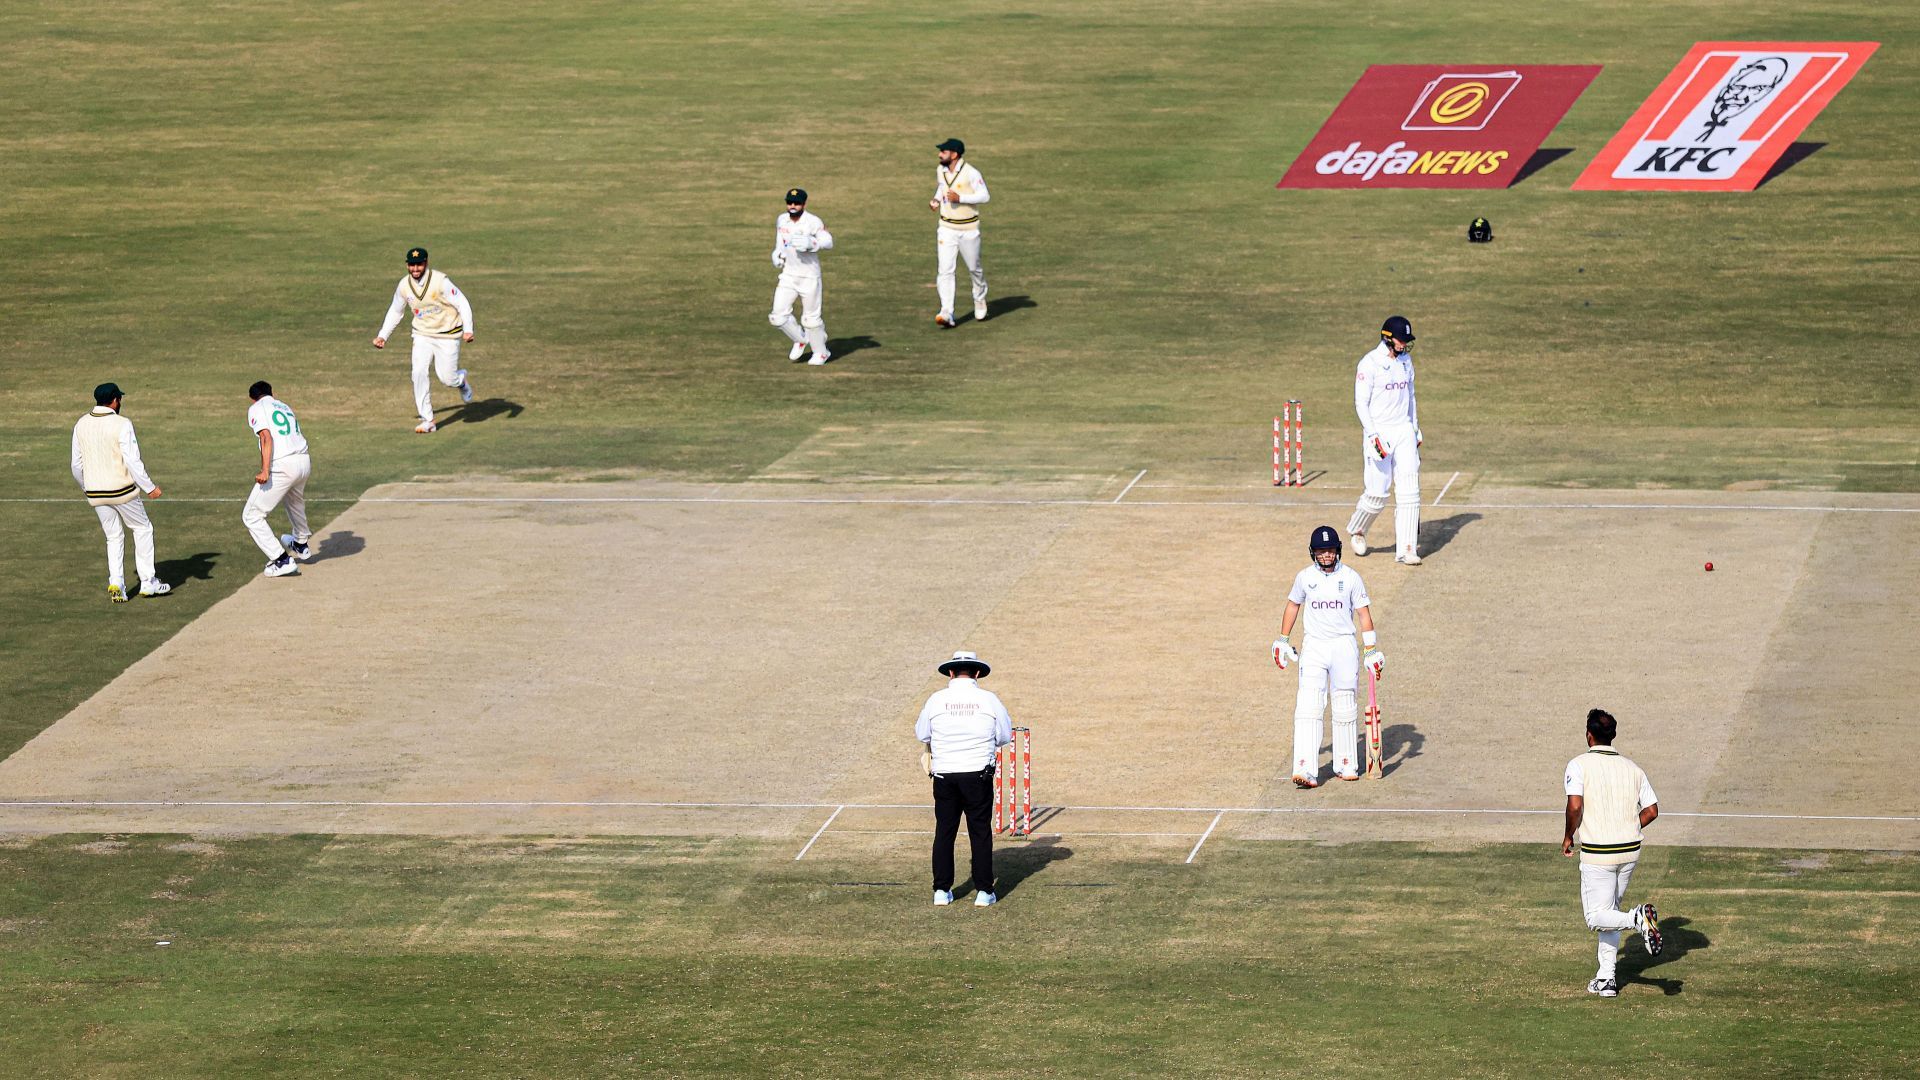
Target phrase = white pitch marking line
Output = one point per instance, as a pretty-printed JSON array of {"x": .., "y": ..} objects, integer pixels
[
  {"x": 1444, "y": 490},
  {"x": 1204, "y": 835},
  {"x": 816, "y": 835},
  {"x": 1129, "y": 487},
  {"x": 544, "y": 804}
]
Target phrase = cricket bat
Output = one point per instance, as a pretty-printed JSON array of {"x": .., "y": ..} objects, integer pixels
[{"x": 1373, "y": 725}]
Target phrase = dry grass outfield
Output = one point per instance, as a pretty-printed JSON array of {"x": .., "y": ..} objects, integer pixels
[{"x": 770, "y": 644}]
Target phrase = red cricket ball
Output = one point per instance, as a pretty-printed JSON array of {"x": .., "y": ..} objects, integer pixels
[{"x": 1709, "y": 567}]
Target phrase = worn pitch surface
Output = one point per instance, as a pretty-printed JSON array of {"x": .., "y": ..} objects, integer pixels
[{"x": 479, "y": 656}]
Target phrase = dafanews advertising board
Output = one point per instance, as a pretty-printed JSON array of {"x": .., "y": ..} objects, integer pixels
[
  {"x": 1438, "y": 126},
  {"x": 1722, "y": 117}
]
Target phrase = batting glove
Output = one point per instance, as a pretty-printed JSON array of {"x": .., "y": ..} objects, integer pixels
[
  {"x": 1284, "y": 653},
  {"x": 1376, "y": 660},
  {"x": 1379, "y": 448}
]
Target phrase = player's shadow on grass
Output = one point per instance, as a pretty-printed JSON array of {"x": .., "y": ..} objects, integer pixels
[
  {"x": 1016, "y": 861},
  {"x": 477, "y": 411},
  {"x": 1679, "y": 942},
  {"x": 339, "y": 545},
  {"x": 841, "y": 348},
  {"x": 1794, "y": 155},
  {"x": 1399, "y": 744},
  {"x": 1007, "y": 305},
  {"x": 1541, "y": 158},
  {"x": 198, "y": 567},
  {"x": 1435, "y": 535}
]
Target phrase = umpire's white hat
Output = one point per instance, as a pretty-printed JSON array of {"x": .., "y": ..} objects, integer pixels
[{"x": 965, "y": 660}]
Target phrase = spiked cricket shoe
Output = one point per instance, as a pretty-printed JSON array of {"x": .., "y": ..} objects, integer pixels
[
  {"x": 980, "y": 312},
  {"x": 155, "y": 587},
  {"x": 1358, "y": 542},
  {"x": 1647, "y": 921},
  {"x": 1604, "y": 987},
  {"x": 1303, "y": 781},
  {"x": 816, "y": 360},
  {"x": 426, "y": 427},
  {"x": 117, "y": 594},
  {"x": 799, "y": 350},
  {"x": 944, "y": 320},
  {"x": 281, "y": 567},
  {"x": 466, "y": 389},
  {"x": 1407, "y": 557}
]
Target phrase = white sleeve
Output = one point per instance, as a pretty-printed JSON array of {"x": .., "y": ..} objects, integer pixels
[
  {"x": 395, "y": 312},
  {"x": 1413, "y": 403},
  {"x": 79, "y": 463},
  {"x": 1647, "y": 797},
  {"x": 130, "y": 453},
  {"x": 1297, "y": 594},
  {"x": 923, "y": 727},
  {"x": 1360, "y": 597},
  {"x": 1362, "y": 396},
  {"x": 1576, "y": 778},
  {"x": 979, "y": 193},
  {"x": 822, "y": 240},
  {"x": 1002, "y": 723},
  {"x": 460, "y": 303}
]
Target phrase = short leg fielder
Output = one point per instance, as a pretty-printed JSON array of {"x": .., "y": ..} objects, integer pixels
[
  {"x": 954, "y": 244},
  {"x": 114, "y": 521},
  {"x": 1327, "y": 663},
  {"x": 442, "y": 357},
  {"x": 1400, "y": 471},
  {"x": 285, "y": 486}
]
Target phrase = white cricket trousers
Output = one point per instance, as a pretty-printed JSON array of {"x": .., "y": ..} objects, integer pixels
[
  {"x": 1326, "y": 664},
  {"x": 134, "y": 516},
  {"x": 1400, "y": 472},
  {"x": 960, "y": 244},
  {"x": 286, "y": 486},
  {"x": 812, "y": 328},
  {"x": 1602, "y": 888},
  {"x": 442, "y": 355}
]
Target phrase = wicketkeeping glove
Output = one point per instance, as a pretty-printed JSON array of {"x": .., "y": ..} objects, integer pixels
[
  {"x": 1376, "y": 660},
  {"x": 1284, "y": 653},
  {"x": 801, "y": 243}
]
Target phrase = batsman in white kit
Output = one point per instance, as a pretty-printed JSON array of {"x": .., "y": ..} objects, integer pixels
[
  {"x": 442, "y": 319},
  {"x": 1334, "y": 600},
  {"x": 281, "y": 481},
  {"x": 1390, "y": 441},
  {"x": 798, "y": 239}
]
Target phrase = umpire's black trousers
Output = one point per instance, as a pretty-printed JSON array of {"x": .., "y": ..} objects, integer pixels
[{"x": 971, "y": 794}]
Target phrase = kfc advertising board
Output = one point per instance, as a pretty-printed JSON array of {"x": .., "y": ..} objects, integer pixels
[
  {"x": 1724, "y": 115},
  {"x": 1438, "y": 126}
]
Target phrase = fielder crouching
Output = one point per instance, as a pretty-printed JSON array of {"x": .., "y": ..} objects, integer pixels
[{"x": 963, "y": 728}]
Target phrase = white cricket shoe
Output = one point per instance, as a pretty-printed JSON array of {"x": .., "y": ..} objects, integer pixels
[
  {"x": 817, "y": 359},
  {"x": 1604, "y": 987},
  {"x": 466, "y": 388},
  {"x": 1301, "y": 780},
  {"x": 426, "y": 427},
  {"x": 1407, "y": 557},
  {"x": 154, "y": 587},
  {"x": 942, "y": 897},
  {"x": 295, "y": 548},
  {"x": 1358, "y": 542},
  {"x": 1646, "y": 919},
  {"x": 281, "y": 567},
  {"x": 944, "y": 319},
  {"x": 117, "y": 594},
  {"x": 980, "y": 312},
  {"x": 1348, "y": 775},
  {"x": 985, "y": 899},
  {"x": 799, "y": 350}
]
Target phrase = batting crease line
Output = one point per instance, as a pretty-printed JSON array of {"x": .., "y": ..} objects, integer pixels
[
  {"x": 1204, "y": 835},
  {"x": 952, "y": 501},
  {"x": 1444, "y": 490},
  {"x": 816, "y": 835},
  {"x": 1129, "y": 487},
  {"x": 288, "y": 804}
]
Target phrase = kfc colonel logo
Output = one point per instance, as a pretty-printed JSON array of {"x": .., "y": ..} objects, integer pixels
[
  {"x": 1723, "y": 116},
  {"x": 1430, "y": 125}
]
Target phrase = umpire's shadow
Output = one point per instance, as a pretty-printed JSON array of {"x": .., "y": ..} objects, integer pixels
[
  {"x": 1399, "y": 743},
  {"x": 1019, "y": 860},
  {"x": 1435, "y": 535},
  {"x": 1679, "y": 941}
]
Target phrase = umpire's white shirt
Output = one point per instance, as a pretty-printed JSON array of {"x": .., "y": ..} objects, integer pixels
[{"x": 963, "y": 725}]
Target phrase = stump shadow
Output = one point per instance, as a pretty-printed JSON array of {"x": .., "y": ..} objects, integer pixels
[{"x": 1014, "y": 863}]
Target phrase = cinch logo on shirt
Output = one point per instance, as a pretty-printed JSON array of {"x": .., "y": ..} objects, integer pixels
[
  {"x": 1401, "y": 385},
  {"x": 1334, "y": 604}
]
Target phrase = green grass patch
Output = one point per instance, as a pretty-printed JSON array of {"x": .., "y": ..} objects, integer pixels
[{"x": 358, "y": 955}]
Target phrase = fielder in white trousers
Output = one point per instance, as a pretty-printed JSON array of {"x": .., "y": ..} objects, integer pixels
[
  {"x": 954, "y": 245},
  {"x": 286, "y": 486},
  {"x": 115, "y": 521}
]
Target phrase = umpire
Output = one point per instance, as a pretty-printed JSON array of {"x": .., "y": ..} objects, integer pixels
[{"x": 963, "y": 727}]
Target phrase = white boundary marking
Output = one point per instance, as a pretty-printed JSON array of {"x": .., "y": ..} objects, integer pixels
[
  {"x": 1129, "y": 487},
  {"x": 1444, "y": 490},
  {"x": 1272, "y": 504},
  {"x": 816, "y": 835},
  {"x": 1203, "y": 836},
  {"x": 524, "y": 804}
]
